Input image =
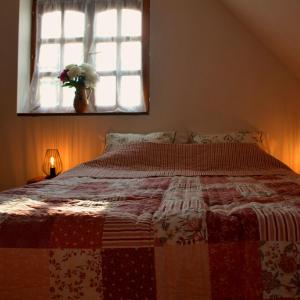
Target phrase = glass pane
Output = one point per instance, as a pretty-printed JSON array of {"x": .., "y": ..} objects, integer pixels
[
  {"x": 48, "y": 91},
  {"x": 131, "y": 22},
  {"x": 49, "y": 58},
  {"x": 68, "y": 97},
  {"x": 106, "y": 91},
  {"x": 106, "y": 23},
  {"x": 73, "y": 54},
  {"x": 51, "y": 25},
  {"x": 130, "y": 91},
  {"x": 74, "y": 24},
  {"x": 106, "y": 57},
  {"x": 131, "y": 56}
]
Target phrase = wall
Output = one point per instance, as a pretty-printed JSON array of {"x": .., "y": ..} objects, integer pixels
[
  {"x": 208, "y": 73},
  {"x": 276, "y": 23},
  {"x": 24, "y": 51}
]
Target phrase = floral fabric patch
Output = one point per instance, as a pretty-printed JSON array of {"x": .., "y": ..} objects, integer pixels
[
  {"x": 181, "y": 217},
  {"x": 280, "y": 263},
  {"x": 75, "y": 274},
  {"x": 115, "y": 140},
  {"x": 253, "y": 137}
]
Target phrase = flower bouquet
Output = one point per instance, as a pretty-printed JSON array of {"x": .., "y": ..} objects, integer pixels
[{"x": 84, "y": 79}]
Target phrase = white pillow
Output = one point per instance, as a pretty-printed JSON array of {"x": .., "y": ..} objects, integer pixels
[
  {"x": 115, "y": 140},
  {"x": 252, "y": 137}
]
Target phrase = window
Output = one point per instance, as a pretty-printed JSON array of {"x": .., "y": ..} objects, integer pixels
[{"x": 115, "y": 39}]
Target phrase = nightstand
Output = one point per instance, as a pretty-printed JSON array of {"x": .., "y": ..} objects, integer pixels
[{"x": 36, "y": 179}]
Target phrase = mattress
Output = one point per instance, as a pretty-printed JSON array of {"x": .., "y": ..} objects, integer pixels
[{"x": 151, "y": 221}]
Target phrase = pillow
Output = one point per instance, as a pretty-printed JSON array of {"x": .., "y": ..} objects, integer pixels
[
  {"x": 183, "y": 137},
  {"x": 115, "y": 140},
  {"x": 252, "y": 137}
]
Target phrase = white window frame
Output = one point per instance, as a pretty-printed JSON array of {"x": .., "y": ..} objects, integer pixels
[{"x": 88, "y": 41}]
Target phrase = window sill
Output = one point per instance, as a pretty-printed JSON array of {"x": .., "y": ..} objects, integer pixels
[
  {"x": 83, "y": 114},
  {"x": 69, "y": 111}
]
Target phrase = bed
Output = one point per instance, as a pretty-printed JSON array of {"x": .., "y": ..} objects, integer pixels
[{"x": 156, "y": 221}]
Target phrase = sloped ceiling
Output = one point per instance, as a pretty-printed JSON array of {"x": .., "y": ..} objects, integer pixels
[{"x": 276, "y": 23}]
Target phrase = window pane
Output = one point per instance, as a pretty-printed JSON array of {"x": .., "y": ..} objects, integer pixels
[
  {"x": 74, "y": 24},
  {"x": 51, "y": 25},
  {"x": 130, "y": 91},
  {"x": 131, "y": 22},
  {"x": 106, "y": 23},
  {"x": 73, "y": 54},
  {"x": 49, "y": 58},
  {"x": 48, "y": 92},
  {"x": 68, "y": 97},
  {"x": 106, "y": 91},
  {"x": 106, "y": 57},
  {"x": 131, "y": 56}
]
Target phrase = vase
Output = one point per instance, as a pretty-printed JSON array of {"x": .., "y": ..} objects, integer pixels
[{"x": 81, "y": 100}]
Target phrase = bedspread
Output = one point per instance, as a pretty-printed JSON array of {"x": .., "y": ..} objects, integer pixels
[{"x": 159, "y": 237}]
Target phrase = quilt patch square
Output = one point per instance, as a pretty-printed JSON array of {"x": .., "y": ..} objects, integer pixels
[
  {"x": 280, "y": 267},
  {"x": 225, "y": 225},
  {"x": 75, "y": 274},
  {"x": 234, "y": 271},
  {"x": 185, "y": 228},
  {"x": 278, "y": 222},
  {"x": 184, "y": 273},
  {"x": 25, "y": 271},
  {"x": 128, "y": 274},
  {"x": 78, "y": 231},
  {"x": 221, "y": 195},
  {"x": 285, "y": 188},
  {"x": 181, "y": 217},
  {"x": 130, "y": 233},
  {"x": 32, "y": 232},
  {"x": 214, "y": 180}
]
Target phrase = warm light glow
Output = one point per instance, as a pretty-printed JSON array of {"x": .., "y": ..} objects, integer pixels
[
  {"x": 52, "y": 161},
  {"x": 52, "y": 165}
]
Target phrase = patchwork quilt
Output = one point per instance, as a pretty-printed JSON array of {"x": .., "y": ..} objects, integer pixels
[{"x": 141, "y": 236}]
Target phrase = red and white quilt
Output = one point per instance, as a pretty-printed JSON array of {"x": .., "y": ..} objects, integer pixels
[{"x": 218, "y": 222}]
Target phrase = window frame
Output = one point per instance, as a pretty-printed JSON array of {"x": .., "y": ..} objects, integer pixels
[{"x": 145, "y": 52}]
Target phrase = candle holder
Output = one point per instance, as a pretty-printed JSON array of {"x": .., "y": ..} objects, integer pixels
[{"x": 52, "y": 165}]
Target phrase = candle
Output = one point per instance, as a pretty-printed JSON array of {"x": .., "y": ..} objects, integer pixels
[
  {"x": 52, "y": 161},
  {"x": 52, "y": 167}
]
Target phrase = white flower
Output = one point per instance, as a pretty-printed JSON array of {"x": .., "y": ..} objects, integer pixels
[
  {"x": 85, "y": 71},
  {"x": 87, "y": 68},
  {"x": 90, "y": 75},
  {"x": 69, "y": 67},
  {"x": 91, "y": 80},
  {"x": 74, "y": 71}
]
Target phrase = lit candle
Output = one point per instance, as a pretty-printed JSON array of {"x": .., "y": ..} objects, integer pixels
[
  {"x": 52, "y": 167},
  {"x": 52, "y": 160}
]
